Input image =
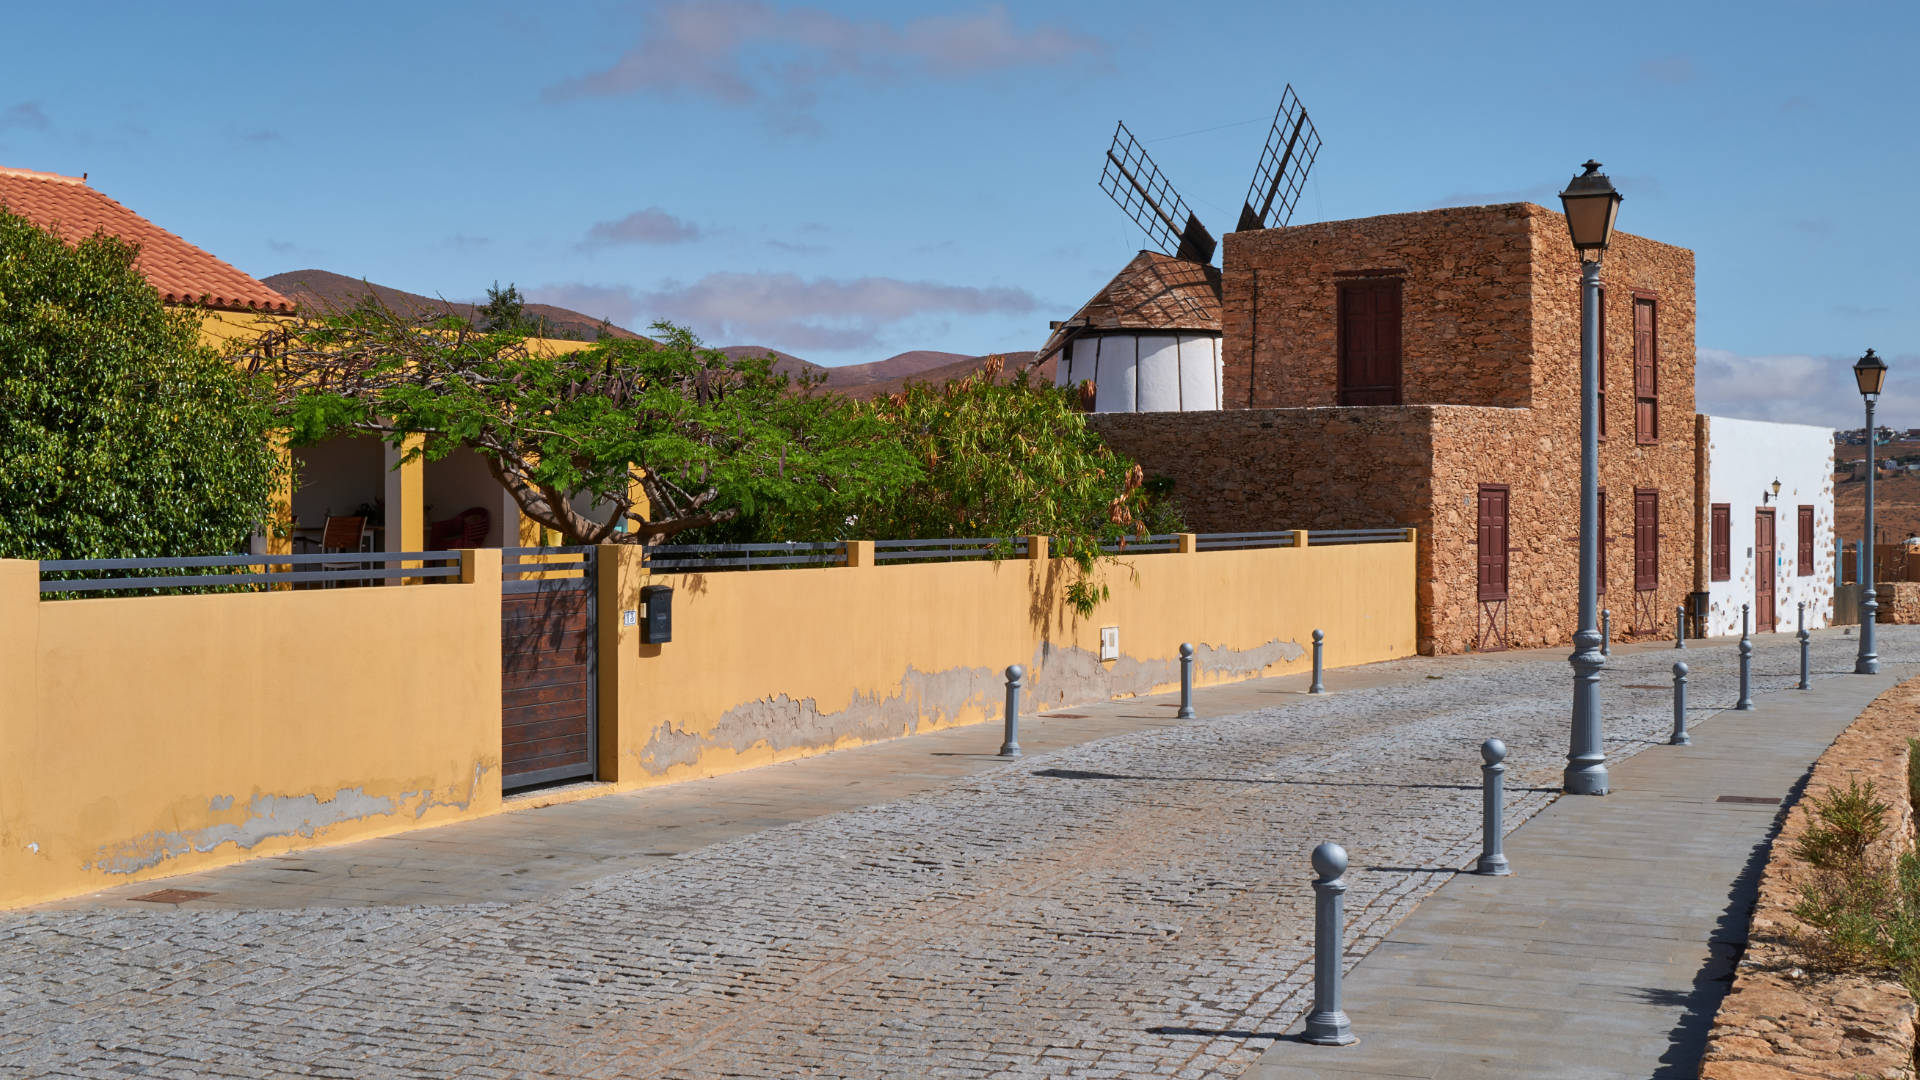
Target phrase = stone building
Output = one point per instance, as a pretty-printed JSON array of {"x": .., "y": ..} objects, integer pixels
[
  {"x": 1423, "y": 370},
  {"x": 1148, "y": 341}
]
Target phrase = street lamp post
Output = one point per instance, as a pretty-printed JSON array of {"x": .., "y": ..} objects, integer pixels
[
  {"x": 1870, "y": 372},
  {"x": 1591, "y": 205}
]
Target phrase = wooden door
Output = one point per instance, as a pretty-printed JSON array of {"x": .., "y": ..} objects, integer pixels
[
  {"x": 1646, "y": 559},
  {"x": 1490, "y": 536},
  {"x": 1369, "y": 345},
  {"x": 548, "y": 673},
  {"x": 1763, "y": 564}
]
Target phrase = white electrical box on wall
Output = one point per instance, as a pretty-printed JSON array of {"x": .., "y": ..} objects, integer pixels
[{"x": 1109, "y": 643}]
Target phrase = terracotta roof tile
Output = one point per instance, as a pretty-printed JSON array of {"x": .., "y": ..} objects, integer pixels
[
  {"x": 182, "y": 273},
  {"x": 1153, "y": 292}
]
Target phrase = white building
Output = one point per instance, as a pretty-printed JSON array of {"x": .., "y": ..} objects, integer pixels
[
  {"x": 1767, "y": 520},
  {"x": 1149, "y": 341}
]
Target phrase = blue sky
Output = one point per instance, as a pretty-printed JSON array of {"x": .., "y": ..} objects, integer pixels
[{"x": 850, "y": 180}]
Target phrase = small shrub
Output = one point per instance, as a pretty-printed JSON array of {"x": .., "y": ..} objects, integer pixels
[
  {"x": 1865, "y": 910},
  {"x": 1913, "y": 772},
  {"x": 1848, "y": 822}
]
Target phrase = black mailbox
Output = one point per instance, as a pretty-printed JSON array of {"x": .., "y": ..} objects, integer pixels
[{"x": 656, "y": 620}]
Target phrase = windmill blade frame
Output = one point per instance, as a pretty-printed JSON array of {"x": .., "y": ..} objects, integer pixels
[
  {"x": 1292, "y": 145},
  {"x": 1132, "y": 180}
]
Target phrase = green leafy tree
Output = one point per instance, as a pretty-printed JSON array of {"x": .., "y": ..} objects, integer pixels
[
  {"x": 702, "y": 438},
  {"x": 120, "y": 433},
  {"x": 505, "y": 310},
  {"x": 1011, "y": 458}
]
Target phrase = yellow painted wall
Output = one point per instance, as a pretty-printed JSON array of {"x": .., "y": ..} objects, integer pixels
[
  {"x": 771, "y": 665},
  {"x": 147, "y": 736}
]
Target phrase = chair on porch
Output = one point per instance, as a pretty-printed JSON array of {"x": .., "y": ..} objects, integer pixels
[
  {"x": 466, "y": 529},
  {"x": 343, "y": 535}
]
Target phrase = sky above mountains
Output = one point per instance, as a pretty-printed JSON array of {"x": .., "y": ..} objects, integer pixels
[{"x": 846, "y": 181}]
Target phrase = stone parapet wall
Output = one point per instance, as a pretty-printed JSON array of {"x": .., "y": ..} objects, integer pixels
[
  {"x": 1779, "y": 1020},
  {"x": 1899, "y": 602}
]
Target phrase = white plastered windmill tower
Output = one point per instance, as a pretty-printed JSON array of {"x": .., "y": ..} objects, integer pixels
[{"x": 1149, "y": 340}]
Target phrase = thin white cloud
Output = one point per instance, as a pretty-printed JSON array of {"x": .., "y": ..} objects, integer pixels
[
  {"x": 25, "y": 116},
  {"x": 749, "y": 52},
  {"x": 787, "y": 311},
  {"x": 650, "y": 226},
  {"x": 1801, "y": 389}
]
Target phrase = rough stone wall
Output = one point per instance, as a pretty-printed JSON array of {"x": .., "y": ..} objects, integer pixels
[
  {"x": 1491, "y": 317},
  {"x": 1633, "y": 264},
  {"x": 1464, "y": 306},
  {"x": 1898, "y": 601},
  {"x": 1783, "y": 1017}
]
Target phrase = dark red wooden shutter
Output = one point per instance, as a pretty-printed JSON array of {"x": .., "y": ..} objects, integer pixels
[
  {"x": 1646, "y": 540},
  {"x": 1491, "y": 537},
  {"x": 1722, "y": 533},
  {"x": 1369, "y": 317},
  {"x": 1806, "y": 541},
  {"x": 1646, "y": 412}
]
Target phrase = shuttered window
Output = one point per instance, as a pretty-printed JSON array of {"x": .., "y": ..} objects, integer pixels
[
  {"x": 1369, "y": 332},
  {"x": 1722, "y": 543},
  {"x": 1491, "y": 537},
  {"x": 1806, "y": 541},
  {"x": 1646, "y": 540},
  {"x": 1646, "y": 358}
]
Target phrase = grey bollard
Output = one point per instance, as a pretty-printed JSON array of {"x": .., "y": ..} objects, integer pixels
[
  {"x": 1680, "y": 736},
  {"x": 1745, "y": 704},
  {"x": 1186, "y": 683},
  {"x": 1606, "y": 632},
  {"x": 1805, "y": 641},
  {"x": 1016, "y": 678},
  {"x": 1318, "y": 687},
  {"x": 1493, "y": 799},
  {"x": 1680, "y": 627},
  {"x": 1743, "y": 622},
  {"x": 1327, "y": 1024}
]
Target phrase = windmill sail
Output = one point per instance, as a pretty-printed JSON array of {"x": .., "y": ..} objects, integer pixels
[
  {"x": 1133, "y": 181},
  {"x": 1291, "y": 147}
]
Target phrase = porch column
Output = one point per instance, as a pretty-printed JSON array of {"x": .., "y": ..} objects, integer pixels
[{"x": 405, "y": 498}]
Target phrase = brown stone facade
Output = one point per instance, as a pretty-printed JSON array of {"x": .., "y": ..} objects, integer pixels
[{"x": 1490, "y": 361}]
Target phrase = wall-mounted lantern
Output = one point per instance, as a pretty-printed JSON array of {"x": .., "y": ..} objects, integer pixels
[{"x": 1766, "y": 496}]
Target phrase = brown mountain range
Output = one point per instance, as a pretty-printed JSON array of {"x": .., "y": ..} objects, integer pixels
[{"x": 328, "y": 291}]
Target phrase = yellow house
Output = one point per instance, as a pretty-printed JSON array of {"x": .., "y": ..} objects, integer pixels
[{"x": 345, "y": 477}]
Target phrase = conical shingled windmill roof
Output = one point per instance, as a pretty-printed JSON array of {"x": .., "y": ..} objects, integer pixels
[{"x": 1153, "y": 292}]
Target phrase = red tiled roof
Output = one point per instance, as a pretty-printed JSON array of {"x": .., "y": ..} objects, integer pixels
[{"x": 183, "y": 274}]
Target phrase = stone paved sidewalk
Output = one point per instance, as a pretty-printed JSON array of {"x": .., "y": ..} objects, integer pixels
[
  {"x": 1130, "y": 906},
  {"x": 1608, "y": 951}
]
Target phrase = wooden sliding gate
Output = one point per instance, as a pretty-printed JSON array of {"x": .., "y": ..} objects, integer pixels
[{"x": 549, "y": 682}]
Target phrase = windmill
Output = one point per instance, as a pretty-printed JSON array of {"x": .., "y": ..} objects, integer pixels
[
  {"x": 1143, "y": 192},
  {"x": 1150, "y": 340}
]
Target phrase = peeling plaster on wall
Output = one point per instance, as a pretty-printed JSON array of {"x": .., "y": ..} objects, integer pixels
[
  {"x": 1069, "y": 675},
  {"x": 268, "y": 817},
  {"x": 784, "y": 723},
  {"x": 1064, "y": 675},
  {"x": 428, "y": 802}
]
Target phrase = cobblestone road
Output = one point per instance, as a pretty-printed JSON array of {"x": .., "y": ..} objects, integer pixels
[{"x": 1134, "y": 907}]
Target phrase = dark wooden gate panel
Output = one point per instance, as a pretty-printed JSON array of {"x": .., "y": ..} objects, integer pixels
[
  {"x": 547, "y": 680},
  {"x": 1490, "y": 536},
  {"x": 1763, "y": 565},
  {"x": 1369, "y": 345},
  {"x": 1646, "y": 560}
]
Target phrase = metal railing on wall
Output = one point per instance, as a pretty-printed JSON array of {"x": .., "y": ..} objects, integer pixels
[
  {"x": 230, "y": 573},
  {"x": 707, "y": 557},
  {"x": 1142, "y": 545},
  {"x": 1318, "y": 538},
  {"x": 1241, "y": 540},
  {"x": 948, "y": 549}
]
